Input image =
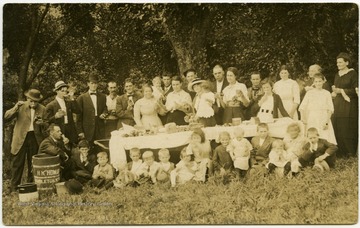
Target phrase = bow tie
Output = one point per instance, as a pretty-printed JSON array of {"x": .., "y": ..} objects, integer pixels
[
  {"x": 93, "y": 94},
  {"x": 130, "y": 95}
]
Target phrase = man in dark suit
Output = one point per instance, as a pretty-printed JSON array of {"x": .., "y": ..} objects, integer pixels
[
  {"x": 167, "y": 84},
  {"x": 125, "y": 104},
  {"x": 167, "y": 89},
  {"x": 218, "y": 86},
  {"x": 28, "y": 134},
  {"x": 58, "y": 144},
  {"x": 83, "y": 164},
  {"x": 60, "y": 111},
  {"x": 92, "y": 112},
  {"x": 189, "y": 75}
]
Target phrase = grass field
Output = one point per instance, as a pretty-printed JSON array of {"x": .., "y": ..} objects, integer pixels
[{"x": 311, "y": 198}]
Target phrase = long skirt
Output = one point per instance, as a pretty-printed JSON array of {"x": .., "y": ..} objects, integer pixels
[
  {"x": 176, "y": 117},
  {"x": 233, "y": 112}
]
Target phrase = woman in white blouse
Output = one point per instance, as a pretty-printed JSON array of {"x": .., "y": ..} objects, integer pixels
[
  {"x": 289, "y": 92},
  {"x": 178, "y": 103},
  {"x": 235, "y": 98},
  {"x": 146, "y": 110}
]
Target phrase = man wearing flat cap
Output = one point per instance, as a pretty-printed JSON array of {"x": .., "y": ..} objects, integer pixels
[
  {"x": 28, "y": 133},
  {"x": 92, "y": 112},
  {"x": 60, "y": 111}
]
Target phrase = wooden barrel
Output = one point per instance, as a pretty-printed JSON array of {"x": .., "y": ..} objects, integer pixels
[{"x": 46, "y": 170}]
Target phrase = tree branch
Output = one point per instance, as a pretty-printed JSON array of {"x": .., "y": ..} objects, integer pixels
[
  {"x": 44, "y": 56},
  {"x": 35, "y": 27}
]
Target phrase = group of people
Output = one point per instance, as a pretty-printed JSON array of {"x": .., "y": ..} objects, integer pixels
[{"x": 331, "y": 111}]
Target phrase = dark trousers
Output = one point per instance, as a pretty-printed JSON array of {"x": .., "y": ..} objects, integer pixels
[
  {"x": 29, "y": 148},
  {"x": 110, "y": 125}
]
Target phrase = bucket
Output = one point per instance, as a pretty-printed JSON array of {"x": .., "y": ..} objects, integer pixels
[
  {"x": 46, "y": 170},
  {"x": 28, "y": 192},
  {"x": 61, "y": 189}
]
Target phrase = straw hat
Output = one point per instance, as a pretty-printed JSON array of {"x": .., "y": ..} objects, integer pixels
[
  {"x": 194, "y": 82},
  {"x": 59, "y": 85}
]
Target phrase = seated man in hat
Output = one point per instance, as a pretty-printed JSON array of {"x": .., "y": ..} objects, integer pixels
[
  {"x": 58, "y": 144},
  {"x": 60, "y": 111},
  {"x": 28, "y": 133}
]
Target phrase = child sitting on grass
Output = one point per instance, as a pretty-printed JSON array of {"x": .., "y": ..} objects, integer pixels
[
  {"x": 198, "y": 140},
  {"x": 279, "y": 158},
  {"x": 294, "y": 144},
  {"x": 103, "y": 172},
  {"x": 83, "y": 165},
  {"x": 185, "y": 169},
  {"x": 261, "y": 144},
  {"x": 148, "y": 169},
  {"x": 202, "y": 165},
  {"x": 163, "y": 174},
  {"x": 125, "y": 177},
  {"x": 321, "y": 153},
  {"x": 136, "y": 162},
  {"x": 239, "y": 149},
  {"x": 222, "y": 160}
]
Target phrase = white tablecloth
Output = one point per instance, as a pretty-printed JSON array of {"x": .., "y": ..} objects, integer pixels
[{"x": 118, "y": 144}]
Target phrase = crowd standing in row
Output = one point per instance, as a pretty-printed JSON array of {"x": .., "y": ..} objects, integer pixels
[{"x": 330, "y": 115}]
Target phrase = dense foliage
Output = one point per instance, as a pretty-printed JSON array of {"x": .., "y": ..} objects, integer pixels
[{"x": 45, "y": 43}]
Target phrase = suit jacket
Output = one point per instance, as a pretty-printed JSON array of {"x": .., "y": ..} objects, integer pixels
[
  {"x": 125, "y": 116},
  {"x": 23, "y": 120},
  {"x": 216, "y": 108},
  {"x": 308, "y": 157},
  {"x": 71, "y": 107},
  {"x": 214, "y": 89},
  {"x": 168, "y": 91},
  {"x": 261, "y": 152},
  {"x": 86, "y": 119},
  {"x": 78, "y": 165},
  {"x": 50, "y": 147},
  {"x": 278, "y": 106}
]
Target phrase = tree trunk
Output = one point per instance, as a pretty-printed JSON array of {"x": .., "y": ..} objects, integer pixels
[{"x": 189, "y": 50}]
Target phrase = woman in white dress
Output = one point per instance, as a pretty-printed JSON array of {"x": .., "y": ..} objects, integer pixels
[
  {"x": 289, "y": 92},
  {"x": 203, "y": 101},
  {"x": 146, "y": 110},
  {"x": 316, "y": 109}
]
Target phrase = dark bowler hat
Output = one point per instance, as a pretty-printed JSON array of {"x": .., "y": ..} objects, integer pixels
[
  {"x": 93, "y": 78},
  {"x": 59, "y": 85},
  {"x": 74, "y": 186},
  {"x": 33, "y": 94}
]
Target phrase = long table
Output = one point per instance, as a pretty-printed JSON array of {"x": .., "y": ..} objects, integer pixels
[{"x": 119, "y": 144}]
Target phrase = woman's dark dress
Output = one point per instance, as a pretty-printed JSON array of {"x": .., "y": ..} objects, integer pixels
[{"x": 345, "y": 117}]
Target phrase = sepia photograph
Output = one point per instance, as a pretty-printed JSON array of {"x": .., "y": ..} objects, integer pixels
[{"x": 170, "y": 113}]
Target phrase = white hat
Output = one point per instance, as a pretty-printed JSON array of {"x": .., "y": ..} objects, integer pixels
[
  {"x": 194, "y": 82},
  {"x": 59, "y": 85}
]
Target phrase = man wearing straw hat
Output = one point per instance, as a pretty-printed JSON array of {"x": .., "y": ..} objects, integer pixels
[
  {"x": 60, "y": 111},
  {"x": 27, "y": 135}
]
